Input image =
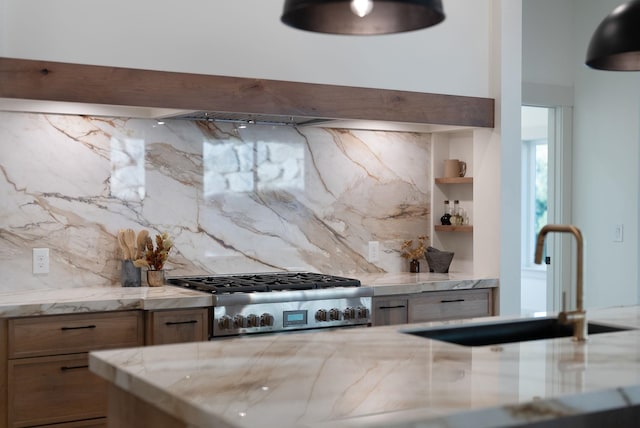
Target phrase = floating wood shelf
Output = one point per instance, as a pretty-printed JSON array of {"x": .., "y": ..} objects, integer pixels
[
  {"x": 454, "y": 180},
  {"x": 463, "y": 228}
]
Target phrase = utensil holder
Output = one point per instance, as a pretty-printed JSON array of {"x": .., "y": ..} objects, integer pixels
[{"x": 130, "y": 275}]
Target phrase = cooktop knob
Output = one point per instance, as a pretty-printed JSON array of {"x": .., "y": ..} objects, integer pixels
[
  {"x": 334, "y": 314},
  {"x": 239, "y": 321},
  {"x": 253, "y": 320},
  {"x": 349, "y": 313},
  {"x": 362, "y": 312},
  {"x": 225, "y": 322},
  {"x": 266, "y": 319},
  {"x": 321, "y": 315}
]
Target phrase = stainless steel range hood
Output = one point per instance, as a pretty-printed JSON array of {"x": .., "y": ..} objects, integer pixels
[
  {"x": 104, "y": 110},
  {"x": 301, "y": 121},
  {"x": 248, "y": 118}
]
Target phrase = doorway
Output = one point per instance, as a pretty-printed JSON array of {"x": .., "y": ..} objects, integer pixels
[
  {"x": 535, "y": 193},
  {"x": 546, "y": 195}
]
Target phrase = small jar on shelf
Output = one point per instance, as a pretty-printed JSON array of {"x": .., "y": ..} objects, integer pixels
[
  {"x": 456, "y": 214},
  {"x": 445, "y": 220}
]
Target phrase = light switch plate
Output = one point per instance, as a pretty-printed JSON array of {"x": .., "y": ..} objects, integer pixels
[
  {"x": 40, "y": 260},
  {"x": 374, "y": 251},
  {"x": 618, "y": 233}
]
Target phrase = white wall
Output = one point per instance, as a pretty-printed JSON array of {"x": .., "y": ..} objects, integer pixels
[
  {"x": 606, "y": 137},
  {"x": 606, "y": 167},
  {"x": 507, "y": 80},
  {"x": 548, "y": 52},
  {"x": 246, "y": 38},
  {"x": 549, "y": 56}
]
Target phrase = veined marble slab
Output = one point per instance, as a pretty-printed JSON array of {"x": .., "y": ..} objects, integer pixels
[
  {"x": 233, "y": 200},
  {"x": 382, "y": 377},
  {"x": 95, "y": 299}
]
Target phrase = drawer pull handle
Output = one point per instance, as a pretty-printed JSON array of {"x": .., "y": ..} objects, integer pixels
[
  {"x": 181, "y": 322},
  {"x": 452, "y": 301},
  {"x": 392, "y": 307},
  {"x": 78, "y": 328},
  {"x": 67, "y": 368}
]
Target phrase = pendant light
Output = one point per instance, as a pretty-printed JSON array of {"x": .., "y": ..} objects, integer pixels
[
  {"x": 362, "y": 17},
  {"x": 615, "y": 45}
]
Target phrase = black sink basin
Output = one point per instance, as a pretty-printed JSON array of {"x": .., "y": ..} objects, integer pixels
[{"x": 509, "y": 331}]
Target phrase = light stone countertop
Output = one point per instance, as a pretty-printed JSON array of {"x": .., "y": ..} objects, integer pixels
[
  {"x": 97, "y": 299},
  {"x": 51, "y": 301},
  {"x": 383, "y": 377},
  {"x": 406, "y": 283}
]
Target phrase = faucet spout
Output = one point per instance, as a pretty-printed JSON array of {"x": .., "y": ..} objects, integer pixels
[{"x": 577, "y": 317}]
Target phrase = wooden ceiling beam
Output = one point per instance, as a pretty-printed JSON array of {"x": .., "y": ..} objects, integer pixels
[{"x": 57, "y": 81}]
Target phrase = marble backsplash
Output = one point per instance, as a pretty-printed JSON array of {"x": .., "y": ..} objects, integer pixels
[{"x": 261, "y": 198}]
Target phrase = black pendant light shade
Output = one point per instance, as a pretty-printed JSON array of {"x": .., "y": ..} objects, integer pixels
[
  {"x": 615, "y": 45},
  {"x": 362, "y": 16}
]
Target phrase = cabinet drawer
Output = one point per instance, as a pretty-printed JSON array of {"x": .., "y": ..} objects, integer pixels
[
  {"x": 68, "y": 334},
  {"x": 389, "y": 311},
  {"x": 45, "y": 390},
  {"x": 445, "y": 305},
  {"x": 176, "y": 326}
]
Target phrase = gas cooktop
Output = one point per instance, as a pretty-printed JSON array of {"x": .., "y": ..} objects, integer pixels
[{"x": 262, "y": 282}]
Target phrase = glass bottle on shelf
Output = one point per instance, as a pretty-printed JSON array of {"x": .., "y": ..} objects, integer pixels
[
  {"x": 456, "y": 215},
  {"x": 445, "y": 220}
]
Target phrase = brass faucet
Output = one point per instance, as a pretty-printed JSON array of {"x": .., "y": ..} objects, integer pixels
[{"x": 577, "y": 317}]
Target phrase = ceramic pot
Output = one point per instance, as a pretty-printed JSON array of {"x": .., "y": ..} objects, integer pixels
[
  {"x": 439, "y": 261},
  {"x": 155, "y": 278}
]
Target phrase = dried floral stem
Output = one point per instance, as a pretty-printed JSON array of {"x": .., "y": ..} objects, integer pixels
[
  {"x": 414, "y": 253},
  {"x": 150, "y": 257}
]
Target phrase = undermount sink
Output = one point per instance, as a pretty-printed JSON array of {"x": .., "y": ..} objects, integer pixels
[{"x": 509, "y": 331}]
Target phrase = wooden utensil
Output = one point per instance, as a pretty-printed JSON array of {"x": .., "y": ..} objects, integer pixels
[
  {"x": 130, "y": 241},
  {"x": 142, "y": 243},
  {"x": 123, "y": 245}
]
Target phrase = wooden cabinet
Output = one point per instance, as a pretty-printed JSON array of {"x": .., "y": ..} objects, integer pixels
[
  {"x": 390, "y": 311},
  {"x": 432, "y": 306},
  {"x": 54, "y": 389},
  {"x": 176, "y": 326},
  {"x": 66, "y": 334},
  {"x": 48, "y": 378},
  {"x": 446, "y": 305}
]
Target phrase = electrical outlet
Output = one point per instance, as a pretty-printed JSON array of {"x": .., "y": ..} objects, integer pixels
[
  {"x": 618, "y": 231},
  {"x": 374, "y": 251},
  {"x": 40, "y": 260}
]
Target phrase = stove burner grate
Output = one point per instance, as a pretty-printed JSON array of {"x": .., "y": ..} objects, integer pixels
[{"x": 265, "y": 282}]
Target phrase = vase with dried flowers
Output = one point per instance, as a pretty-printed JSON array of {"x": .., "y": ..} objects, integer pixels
[
  {"x": 153, "y": 257},
  {"x": 413, "y": 254}
]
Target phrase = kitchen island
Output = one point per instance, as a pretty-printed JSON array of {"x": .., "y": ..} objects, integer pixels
[{"x": 379, "y": 376}]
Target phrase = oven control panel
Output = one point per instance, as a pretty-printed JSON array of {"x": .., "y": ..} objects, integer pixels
[{"x": 286, "y": 316}]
